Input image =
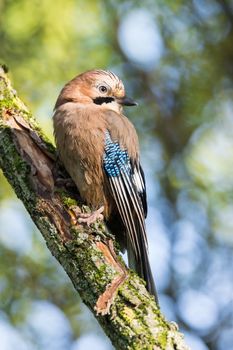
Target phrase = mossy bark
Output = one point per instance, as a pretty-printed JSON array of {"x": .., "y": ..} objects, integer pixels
[{"x": 116, "y": 296}]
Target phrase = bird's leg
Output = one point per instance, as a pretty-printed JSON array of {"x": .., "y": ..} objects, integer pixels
[{"x": 90, "y": 218}]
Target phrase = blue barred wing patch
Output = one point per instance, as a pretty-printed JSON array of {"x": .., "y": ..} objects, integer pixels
[
  {"x": 125, "y": 186},
  {"x": 115, "y": 159}
]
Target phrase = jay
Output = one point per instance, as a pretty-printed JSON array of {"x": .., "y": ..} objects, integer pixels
[{"x": 99, "y": 148}]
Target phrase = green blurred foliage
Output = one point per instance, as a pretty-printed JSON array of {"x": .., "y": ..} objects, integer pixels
[{"x": 184, "y": 120}]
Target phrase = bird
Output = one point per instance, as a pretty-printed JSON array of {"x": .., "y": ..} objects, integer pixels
[{"x": 98, "y": 146}]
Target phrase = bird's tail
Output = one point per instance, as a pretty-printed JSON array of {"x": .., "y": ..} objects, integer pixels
[{"x": 141, "y": 265}]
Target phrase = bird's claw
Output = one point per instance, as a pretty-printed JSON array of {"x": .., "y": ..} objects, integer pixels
[{"x": 90, "y": 218}]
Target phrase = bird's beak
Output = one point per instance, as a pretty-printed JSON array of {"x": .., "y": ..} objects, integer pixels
[{"x": 126, "y": 101}]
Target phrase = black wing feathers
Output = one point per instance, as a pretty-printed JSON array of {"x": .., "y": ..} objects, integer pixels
[{"x": 127, "y": 186}]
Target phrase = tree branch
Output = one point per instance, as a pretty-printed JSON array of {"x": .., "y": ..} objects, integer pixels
[{"x": 116, "y": 295}]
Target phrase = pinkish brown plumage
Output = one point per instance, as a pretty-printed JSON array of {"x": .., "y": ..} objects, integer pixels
[{"x": 99, "y": 148}]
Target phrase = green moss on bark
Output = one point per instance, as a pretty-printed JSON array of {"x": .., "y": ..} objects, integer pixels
[{"x": 15, "y": 169}]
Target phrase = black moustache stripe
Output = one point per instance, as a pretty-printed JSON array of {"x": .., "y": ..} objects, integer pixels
[{"x": 101, "y": 100}]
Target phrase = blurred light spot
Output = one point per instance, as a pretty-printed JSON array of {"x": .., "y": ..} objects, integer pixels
[
  {"x": 140, "y": 38},
  {"x": 210, "y": 159},
  {"x": 10, "y": 338},
  {"x": 225, "y": 340},
  {"x": 167, "y": 307},
  {"x": 91, "y": 342},
  {"x": 188, "y": 248},
  {"x": 177, "y": 173},
  {"x": 198, "y": 310},
  {"x": 171, "y": 77},
  {"x": 223, "y": 223},
  {"x": 194, "y": 342},
  {"x": 15, "y": 233},
  {"x": 159, "y": 249},
  {"x": 48, "y": 326},
  {"x": 187, "y": 41},
  {"x": 207, "y": 8},
  {"x": 193, "y": 211},
  {"x": 220, "y": 276}
]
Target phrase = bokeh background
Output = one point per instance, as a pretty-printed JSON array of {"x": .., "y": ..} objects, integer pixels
[{"x": 176, "y": 59}]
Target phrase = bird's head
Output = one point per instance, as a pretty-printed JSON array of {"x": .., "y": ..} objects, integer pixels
[{"x": 98, "y": 87}]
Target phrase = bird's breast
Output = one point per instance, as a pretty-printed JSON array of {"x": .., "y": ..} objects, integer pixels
[{"x": 80, "y": 139}]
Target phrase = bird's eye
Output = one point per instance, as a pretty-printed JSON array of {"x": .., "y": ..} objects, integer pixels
[{"x": 103, "y": 89}]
